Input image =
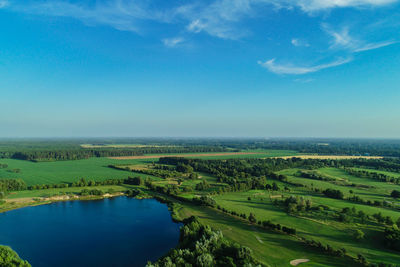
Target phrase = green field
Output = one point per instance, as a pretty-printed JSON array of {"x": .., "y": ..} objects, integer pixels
[
  {"x": 54, "y": 172},
  {"x": 64, "y": 171}
]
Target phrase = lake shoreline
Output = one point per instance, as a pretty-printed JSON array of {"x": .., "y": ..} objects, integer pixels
[{"x": 37, "y": 201}]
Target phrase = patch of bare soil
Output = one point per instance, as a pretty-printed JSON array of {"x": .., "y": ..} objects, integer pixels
[
  {"x": 298, "y": 261},
  {"x": 276, "y": 196}
]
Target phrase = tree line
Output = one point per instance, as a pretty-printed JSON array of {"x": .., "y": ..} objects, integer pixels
[
  {"x": 85, "y": 153},
  {"x": 373, "y": 175}
]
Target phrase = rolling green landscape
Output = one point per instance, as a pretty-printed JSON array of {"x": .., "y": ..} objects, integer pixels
[{"x": 287, "y": 211}]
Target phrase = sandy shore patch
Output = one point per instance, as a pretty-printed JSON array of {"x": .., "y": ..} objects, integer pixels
[{"x": 298, "y": 261}]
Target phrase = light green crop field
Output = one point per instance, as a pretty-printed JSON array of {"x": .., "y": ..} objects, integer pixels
[{"x": 65, "y": 171}]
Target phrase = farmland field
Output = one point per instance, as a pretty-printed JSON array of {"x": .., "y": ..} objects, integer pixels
[{"x": 63, "y": 171}]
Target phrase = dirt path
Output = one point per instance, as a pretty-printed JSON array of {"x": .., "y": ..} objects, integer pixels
[
  {"x": 187, "y": 155},
  {"x": 298, "y": 261}
]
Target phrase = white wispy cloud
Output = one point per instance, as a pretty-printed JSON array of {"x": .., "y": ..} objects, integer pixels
[
  {"x": 316, "y": 5},
  {"x": 297, "y": 70},
  {"x": 173, "y": 42},
  {"x": 220, "y": 18},
  {"x": 372, "y": 46},
  {"x": 298, "y": 42},
  {"x": 343, "y": 40}
]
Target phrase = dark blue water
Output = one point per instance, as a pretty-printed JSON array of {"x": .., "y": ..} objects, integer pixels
[{"x": 112, "y": 232}]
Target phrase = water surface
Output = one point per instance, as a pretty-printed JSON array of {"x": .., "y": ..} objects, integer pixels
[{"x": 112, "y": 232}]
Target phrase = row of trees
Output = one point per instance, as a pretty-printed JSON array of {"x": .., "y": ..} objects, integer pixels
[
  {"x": 314, "y": 176},
  {"x": 80, "y": 183},
  {"x": 53, "y": 154},
  {"x": 373, "y": 175}
]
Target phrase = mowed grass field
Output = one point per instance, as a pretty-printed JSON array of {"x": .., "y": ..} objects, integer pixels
[
  {"x": 270, "y": 248},
  {"x": 324, "y": 230},
  {"x": 317, "y": 227},
  {"x": 95, "y": 168}
]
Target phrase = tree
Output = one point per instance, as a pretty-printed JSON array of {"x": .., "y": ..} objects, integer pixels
[
  {"x": 359, "y": 234},
  {"x": 134, "y": 181},
  {"x": 333, "y": 193},
  {"x": 275, "y": 187},
  {"x": 205, "y": 260},
  {"x": 252, "y": 218},
  {"x": 395, "y": 194},
  {"x": 362, "y": 216},
  {"x": 203, "y": 185},
  {"x": 389, "y": 221}
]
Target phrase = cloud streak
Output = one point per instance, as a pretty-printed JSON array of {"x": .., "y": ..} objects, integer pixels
[
  {"x": 317, "y": 5},
  {"x": 172, "y": 42},
  {"x": 373, "y": 46},
  {"x": 343, "y": 40},
  {"x": 298, "y": 70}
]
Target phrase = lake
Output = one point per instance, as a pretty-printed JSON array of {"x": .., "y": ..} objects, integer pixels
[{"x": 118, "y": 231}]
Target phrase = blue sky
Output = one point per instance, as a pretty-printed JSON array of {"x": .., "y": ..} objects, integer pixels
[{"x": 268, "y": 68}]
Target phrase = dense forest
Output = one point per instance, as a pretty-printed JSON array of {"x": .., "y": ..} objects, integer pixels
[{"x": 199, "y": 245}]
